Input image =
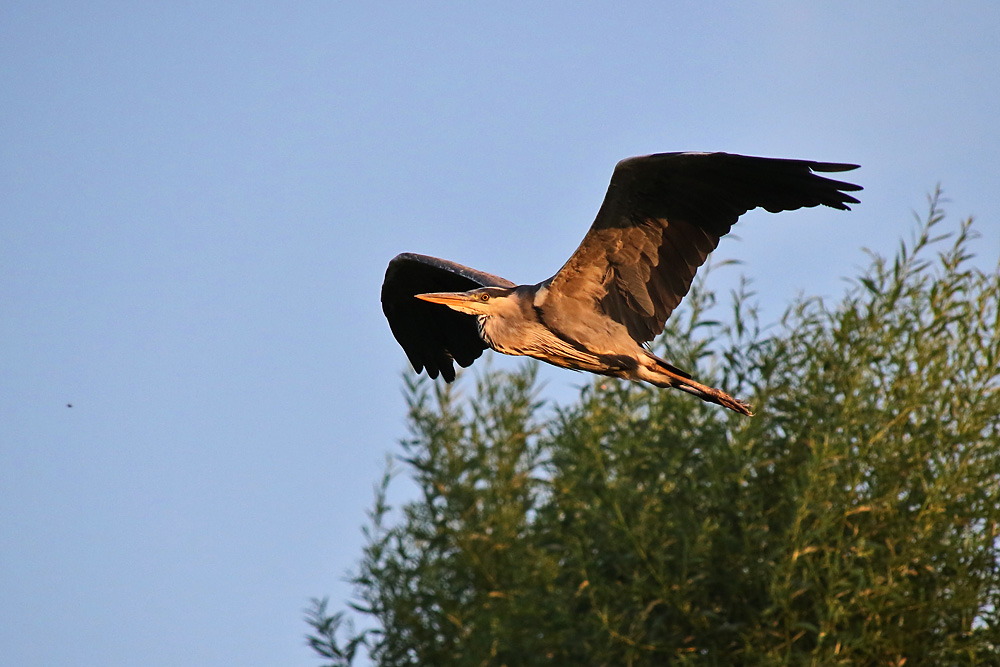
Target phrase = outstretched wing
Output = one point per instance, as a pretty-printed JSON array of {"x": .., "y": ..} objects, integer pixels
[
  {"x": 432, "y": 335},
  {"x": 663, "y": 214}
]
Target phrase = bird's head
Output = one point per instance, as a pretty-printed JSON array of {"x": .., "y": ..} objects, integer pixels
[{"x": 484, "y": 301}]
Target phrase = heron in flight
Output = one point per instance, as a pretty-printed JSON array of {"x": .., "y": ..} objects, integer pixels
[{"x": 661, "y": 217}]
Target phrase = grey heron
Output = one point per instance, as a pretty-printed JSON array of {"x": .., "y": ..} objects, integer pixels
[{"x": 661, "y": 217}]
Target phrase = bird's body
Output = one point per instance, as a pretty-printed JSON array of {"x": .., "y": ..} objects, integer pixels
[
  {"x": 517, "y": 326},
  {"x": 662, "y": 216}
]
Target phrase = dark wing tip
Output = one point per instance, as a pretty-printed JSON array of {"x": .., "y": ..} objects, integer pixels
[
  {"x": 838, "y": 190},
  {"x": 832, "y": 166},
  {"x": 433, "y": 336}
]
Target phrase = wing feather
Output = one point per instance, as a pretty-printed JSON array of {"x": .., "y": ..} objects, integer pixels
[
  {"x": 432, "y": 335},
  {"x": 663, "y": 214}
]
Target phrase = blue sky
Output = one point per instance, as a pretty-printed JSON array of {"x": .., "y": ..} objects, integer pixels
[{"x": 199, "y": 201}]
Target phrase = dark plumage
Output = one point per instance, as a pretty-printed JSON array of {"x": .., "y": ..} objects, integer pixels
[
  {"x": 662, "y": 215},
  {"x": 432, "y": 334}
]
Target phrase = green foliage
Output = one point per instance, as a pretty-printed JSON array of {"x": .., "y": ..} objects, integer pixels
[{"x": 853, "y": 521}]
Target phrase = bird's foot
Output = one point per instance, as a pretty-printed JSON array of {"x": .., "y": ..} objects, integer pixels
[{"x": 725, "y": 400}]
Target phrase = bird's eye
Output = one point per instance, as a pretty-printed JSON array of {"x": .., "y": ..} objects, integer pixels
[{"x": 484, "y": 297}]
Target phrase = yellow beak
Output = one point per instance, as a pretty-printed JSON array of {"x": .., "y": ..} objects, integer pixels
[{"x": 445, "y": 298}]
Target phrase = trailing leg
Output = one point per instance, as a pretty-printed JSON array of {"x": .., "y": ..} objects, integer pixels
[{"x": 658, "y": 372}]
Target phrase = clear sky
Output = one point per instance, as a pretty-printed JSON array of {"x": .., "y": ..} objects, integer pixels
[{"x": 199, "y": 201}]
